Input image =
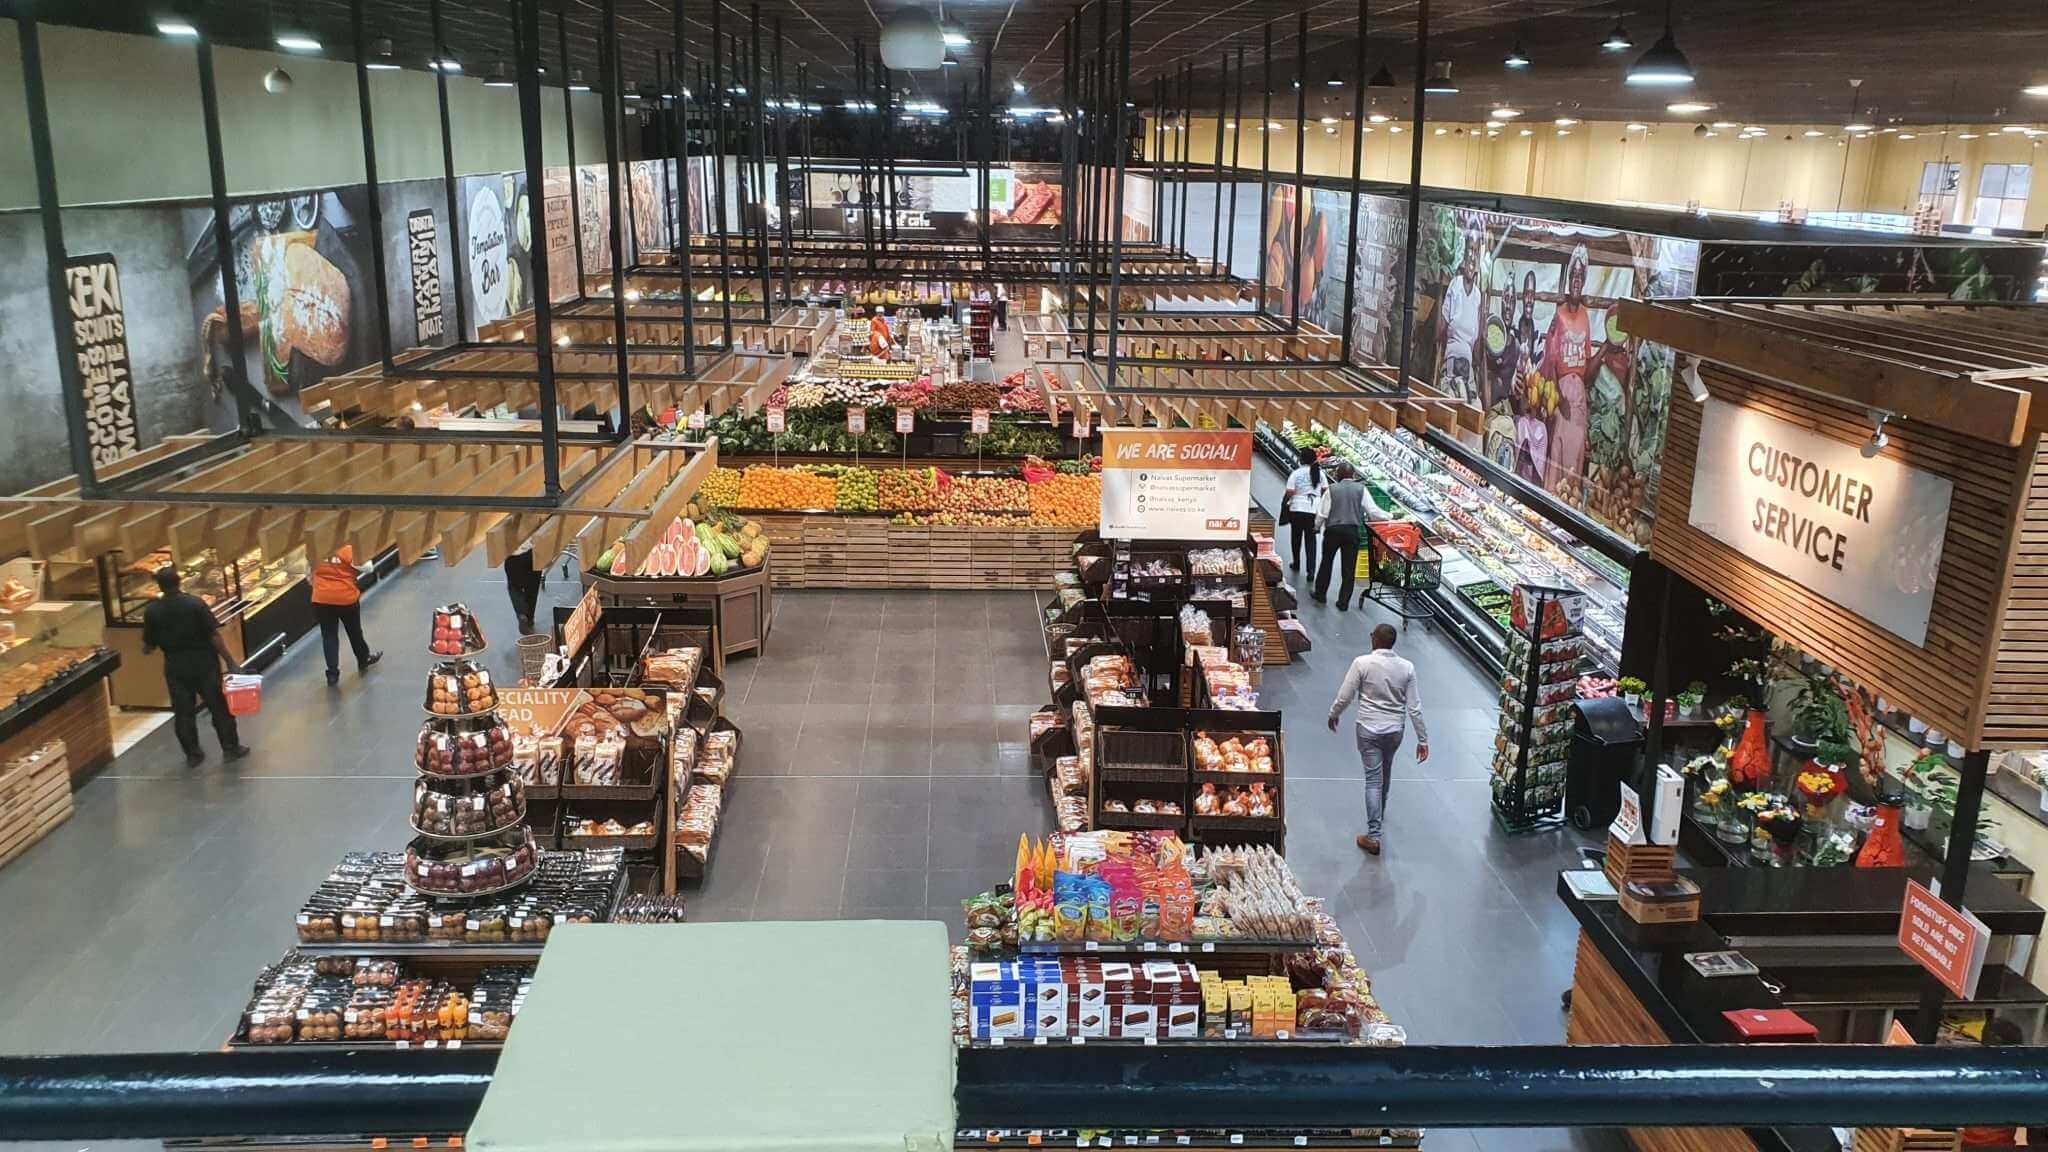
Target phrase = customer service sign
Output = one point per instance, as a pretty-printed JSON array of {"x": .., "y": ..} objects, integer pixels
[
  {"x": 1167, "y": 484},
  {"x": 1864, "y": 533}
]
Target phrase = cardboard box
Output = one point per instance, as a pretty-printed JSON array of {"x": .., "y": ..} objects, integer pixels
[{"x": 1137, "y": 1021}]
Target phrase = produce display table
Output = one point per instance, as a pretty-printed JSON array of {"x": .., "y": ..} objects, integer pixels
[
  {"x": 831, "y": 550},
  {"x": 742, "y": 603}
]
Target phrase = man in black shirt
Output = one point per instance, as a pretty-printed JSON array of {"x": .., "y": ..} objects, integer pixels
[{"x": 184, "y": 627}]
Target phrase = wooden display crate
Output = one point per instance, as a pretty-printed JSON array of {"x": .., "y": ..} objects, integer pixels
[
  {"x": 862, "y": 551},
  {"x": 35, "y": 796}
]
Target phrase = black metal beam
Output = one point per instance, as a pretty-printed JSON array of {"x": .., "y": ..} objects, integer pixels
[
  {"x": 782, "y": 196},
  {"x": 686, "y": 224},
  {"x": 1265, "y": 162},
  {"x": 1216, "y": 187},
  {"x": 718, "y": 101},
  {"x": 1294, "y": 290},
  {"x": 757, "y": 139},
  {"x": 56, "y": 276},
  {"x": 614, "y": 175},
  {"x": 234, "y": 373},
  {"x": 1955, "y": 876},
  {"x": 1120, "y": 140},
  {"x": 373, "y": 200},
  {"x": 569, "y": 138},
  {"x": 1414, "y": 237},
  {"x": 526, "y": 57},
  {"x": 1236, "y": 147},
  {"x": 285, "y": 1092},
  {"x": 1356, "y": 132},
  {"x": 455, "y": 261}
]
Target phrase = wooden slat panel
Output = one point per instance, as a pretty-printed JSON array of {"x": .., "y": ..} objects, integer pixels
[{"x": 1946, "y": 681}]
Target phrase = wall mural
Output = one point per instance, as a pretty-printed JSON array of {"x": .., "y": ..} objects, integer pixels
[{"x": 1956, "y": 272}]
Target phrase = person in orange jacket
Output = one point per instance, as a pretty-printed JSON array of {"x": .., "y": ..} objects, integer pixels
[{"x": 337, "y": 603}]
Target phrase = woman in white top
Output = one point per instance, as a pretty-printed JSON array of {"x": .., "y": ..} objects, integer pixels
[{"x": 1298, "y": 505}]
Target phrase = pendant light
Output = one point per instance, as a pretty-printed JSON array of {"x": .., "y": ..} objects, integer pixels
[
  {"x": 1440, "y": 82},
  {"x": 1384, "y": 78},
  {"x": 1517, "y": 58},
  {"x": 1617, "y": 37},
  {"x": 380, "y": 56},
  {"x": 1663, "y": 66}
]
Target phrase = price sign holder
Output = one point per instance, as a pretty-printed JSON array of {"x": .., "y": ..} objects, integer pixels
[{"x": 777, "y": 421}]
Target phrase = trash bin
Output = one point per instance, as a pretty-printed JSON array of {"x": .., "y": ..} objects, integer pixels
[{"x": 1607, "y": 739}]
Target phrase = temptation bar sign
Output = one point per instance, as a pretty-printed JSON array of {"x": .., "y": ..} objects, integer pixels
[
  {"x": 99, "y": 332},
  {"x": 1865, "y": 533}
]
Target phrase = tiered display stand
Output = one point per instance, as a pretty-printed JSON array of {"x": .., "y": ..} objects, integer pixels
[
  {"x": 1544, "y": 654},
  {"x": 472, "y": 782}
]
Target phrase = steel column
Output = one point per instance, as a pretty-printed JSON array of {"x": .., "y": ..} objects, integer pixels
[
  {"x": 803, "y": 87},
  {"x": 614, "y": 113},
  {"x": 782, "y": 196},
  {"x": 1955, "y": 877},
  {"x": 1357, "y": 148},
  {"x": 1216, "y": 170},
  {"x": 718, "y": 98},
  {"x": 1414, "y": 236},
  {"x": 1300, "y": 154},
  {"x": 376, "y": 206},
  {"x": 759, "y": 152},
  {"x": 455, "y": 261},
  {"x": 1069, "y": 65},
  {"x": 1236, "y": 148},
  {"x": 686, "y": 224},
  {"x": 1265, "y": 165},
  {"x": 526, "y": 62},
  {"x": 1118, "y": 139},
  {"x": 1180, "y": 128},
  {"x": 56, "y": 275},
  {"x": 569, "y": 137},
  {"x": 235, "y": 373}
]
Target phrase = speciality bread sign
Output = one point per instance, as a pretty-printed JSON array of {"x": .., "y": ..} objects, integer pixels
[
  {"x": 1865, "y": 533},
  {"x": 99, "y": 330},
  {"x": 1161, "y": 484}
]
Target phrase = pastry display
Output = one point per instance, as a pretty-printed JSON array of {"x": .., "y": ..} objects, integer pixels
[
  {"x": 456, "y": 632},
  {"x": 486, "y": 747},
  {"x": 677, "y": 667},
  {"x": 473, "y": 868},
  {"x": 460, "y": 688},
  {"x": 444, "y": 808},
  {"x": 576, "y": 827},
  {"x": 653, "y": 908},
  {"x": 302, "y": 1000}
]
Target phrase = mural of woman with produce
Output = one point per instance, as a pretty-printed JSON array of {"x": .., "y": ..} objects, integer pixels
[
  {"x": 1457, "y": 327},
  {"x": 1569, "y": 354}
]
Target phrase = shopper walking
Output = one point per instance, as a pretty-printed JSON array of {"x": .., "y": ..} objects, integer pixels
[
  {"x": 1002, "y": 309},
  {"x": 1298, "y": 503},
  {"x": 183, "y": 628},
  {"x": 1383, "y": 686},
  {"x": 338, "y": 604},
  {"x": 1342, "y": 519},
  {"x": 523, "y": 584}
]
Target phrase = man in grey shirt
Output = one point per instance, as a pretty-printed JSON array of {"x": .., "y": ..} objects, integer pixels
[
  {"x": 1383, "y": 685},
  {"x": 1345, "y": 519}
]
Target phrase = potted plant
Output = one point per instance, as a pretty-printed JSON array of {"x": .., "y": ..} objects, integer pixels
[
  {"x": 1919, "y": 811},
  {"x": 1819, "y": 713},
  {"x": 1692, "y": 699},
  {"x": 1631, "y": 690}
]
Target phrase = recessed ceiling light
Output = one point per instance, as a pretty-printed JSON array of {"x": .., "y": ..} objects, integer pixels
[
  {"x": 1688, "y": 108},
  {"x": 1811, "y": 132},
  {"x": 1564, "y": 121},
  {"x": 1564, "y": 131},
  {"x": 1229, "y": 124},
  {"x": 1329, "y": 120},
  {"x": 1394, "y": 128},
  {"x": 957, "y": 40},
  {"x": 1505, "y": 113},
  {"x": 1365, "y": 131},
  {"x": 1439, "y": 131},
  {"x": 1635, "y": 127},
  {"x": 1710, "y": 132},
  {"x": 2036, "y": 90},
  {"x": 2014, "y": 128},
  {"x": 291, "y": 43},
  {"x": 177, "y": 28},
  {"x": 1272, "y": 125},
  {"x": 1724, "y": 124},
  {"x": 1858, "y": 126},
  {"x": 1379, "y": 118},
  {"x": 1528, "y": 131},
  {"x": 1966, "y": 135},
  {"x": 1906, "y": 136}
]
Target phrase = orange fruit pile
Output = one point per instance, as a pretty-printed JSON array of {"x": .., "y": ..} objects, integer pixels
[
  {"x": 762, "y": 486},
  {"x": 1067, "y": 501}
]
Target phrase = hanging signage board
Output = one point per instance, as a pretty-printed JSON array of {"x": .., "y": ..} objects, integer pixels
[
  {"x": 1865, "y": 533},
  {"x": 906, "y": 420},
  {"x": 99, "y": 330},
  {"x": 423, "y": 252},
  {"x": 1166, "y": 484},
  {"x": 1946, "y": 940}
]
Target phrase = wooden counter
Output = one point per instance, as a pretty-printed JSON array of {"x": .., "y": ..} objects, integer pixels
[
  {"x": 829, "y": 550},
  {"x": 73, "y": 708},
  {"x": 742, "y": 604}
]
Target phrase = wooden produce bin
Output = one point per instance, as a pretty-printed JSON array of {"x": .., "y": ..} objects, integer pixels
[
  {"x": 35, "y": 797},
  {"x": 742, "y": 604},
  {"x": 829, "y": 550}
]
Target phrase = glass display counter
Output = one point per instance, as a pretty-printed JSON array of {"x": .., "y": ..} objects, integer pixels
[
  {"x": 262, "y": 605},
  {"x": 52, "y": 667}
]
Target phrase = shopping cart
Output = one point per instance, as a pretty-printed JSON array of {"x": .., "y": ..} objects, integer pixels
[{"x": 1401, "y": 569}]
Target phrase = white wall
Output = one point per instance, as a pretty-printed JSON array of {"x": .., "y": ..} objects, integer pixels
[{"x": 125, "y": 121}]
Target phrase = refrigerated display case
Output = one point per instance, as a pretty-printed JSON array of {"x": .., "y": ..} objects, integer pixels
[{"x": 1489, "y": 542}]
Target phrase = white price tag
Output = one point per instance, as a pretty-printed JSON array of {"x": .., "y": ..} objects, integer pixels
[
  {"x": 1180, "y": 1140},
  {"x": 1301, "y": 1141},
  {"x": 1090, "y": 945},
  {"x": 1130, "y": 1141},
  {"x": 775, "y": 420},
  {"x": 1208, "y": 946},
  {"x": 906, "y": 420},
  {"x": 1176, "y": 947},
  {"x": 1149, "y": 946},
  {"x": 431, "y": 1044},
  {"x": 1385, "y": 1140},
  {"x": 454, "y": 1044},
  {"x": 995, "y": 1041},
  {"x": 1282, "y": 1034},
  {"x": 1038, "y": 1041},
  {"x": 1237, "y": 1137},
  {"x": 856, "y": 421},
  {"x": 979, "y": 422},
  {"x": 405, "y": 1043},
  {"x": 1081, "y": 416},
  {"x": 697, "y": 421},
  {"x": 1151, "y": 1041},
  {"x": 1230, "y": 1033},
  {"x": 1080, "y": 1040}
]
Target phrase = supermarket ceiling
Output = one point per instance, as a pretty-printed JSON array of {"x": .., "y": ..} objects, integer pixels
[{"x": 1757, "y": 60}]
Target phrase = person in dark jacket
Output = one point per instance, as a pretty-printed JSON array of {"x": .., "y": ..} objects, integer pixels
[
  {"x": 523, "y": 583},
  {"x": 183, "y": 627}
]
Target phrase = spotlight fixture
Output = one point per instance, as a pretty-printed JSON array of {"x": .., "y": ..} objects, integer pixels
[
  {"x": 1384, "y": 78},
  {"x": 277, "y": 81},
  {"x": 1688, "y": 107},
  {"x": 2035, "y": 90},
  {"x": 1516, "y": 57},
  {"x": 1878, "y": 439},
  {"x": 295, "y": 43},
  {"x": 177, "y": 29},
  {"x": 1564, "y": 122},
  {"x": 1663, "y": 66},
  {"x": 576, "y": 81},
  {"x": 1810, "y": 133},
  {"x": 500, "y": 77},
  {"x": 1693, "y": 384},
  {"x": 1016, "y": 86},
  {"x": 380, "y": 56},
  {"x": 1617, "y": 38},
  {"x": 1504, "y": 113},
  {"x": 1335, "y": 81},
  {"x": 1440, "y": 82},
  {"x": 1635, "y": 127}
]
